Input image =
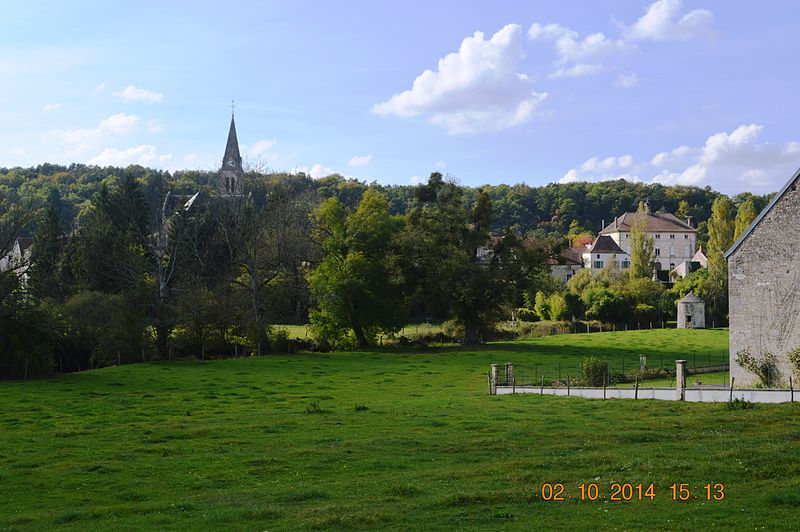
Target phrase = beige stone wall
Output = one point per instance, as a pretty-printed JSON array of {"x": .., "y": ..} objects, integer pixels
[
  {"x": 764, "y": 289},
  {"x": 698, "y": 313}
]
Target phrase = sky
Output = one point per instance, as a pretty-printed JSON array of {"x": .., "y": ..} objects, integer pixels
[{"x": 694, "y": 92}]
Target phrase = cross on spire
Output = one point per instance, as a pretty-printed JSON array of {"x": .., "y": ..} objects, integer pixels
[{"x": 233, "y": 105}]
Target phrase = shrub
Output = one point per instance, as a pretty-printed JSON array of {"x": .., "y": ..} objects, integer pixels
[
  {"x": 526, "y": 314},
  {"x": 794, "y": 359},
  {"x": 594, "y": 370},
  {"x": 558, "y": 307},
  {"x": 763, "y": 366},
  {"x": 740, "y": 404},
  {"x": 542, "y": 306}
]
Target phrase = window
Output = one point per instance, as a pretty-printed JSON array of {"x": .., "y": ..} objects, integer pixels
[
  {"x": 658, "y": 237},
  {"x": 671, "y": 265},
  {"x": 672, "y": 251},
  {"x": 688, "y": 318},
  {"x": 598, "y": 264},
  {"x": 658, "y": 252},
  {"x": 598, "y": 255},
  {"x": 672, "y": 237},
  {"x": 686, "y": 237},
  {"x": 626, "y": 264}
]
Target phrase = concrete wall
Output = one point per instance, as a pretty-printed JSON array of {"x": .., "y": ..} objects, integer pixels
[
  {"x": 763, "y": 280},
  {"x": 694, "y": 395},
  {"x": 698, "y": 313}
]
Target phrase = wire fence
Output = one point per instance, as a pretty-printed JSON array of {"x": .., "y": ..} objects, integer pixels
[{"x": 706, "y": 367}]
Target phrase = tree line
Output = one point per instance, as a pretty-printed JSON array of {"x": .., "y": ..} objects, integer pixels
[{"x": 144, "y": 270}]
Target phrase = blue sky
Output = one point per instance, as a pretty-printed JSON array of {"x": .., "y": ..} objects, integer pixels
[{"x": 694, "y": 92}]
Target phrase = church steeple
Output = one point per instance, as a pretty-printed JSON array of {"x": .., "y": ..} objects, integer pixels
[{"x": 231, "y": 171}]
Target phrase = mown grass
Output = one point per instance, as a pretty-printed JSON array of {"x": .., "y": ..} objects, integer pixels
[{"x": 278, "y": 443}]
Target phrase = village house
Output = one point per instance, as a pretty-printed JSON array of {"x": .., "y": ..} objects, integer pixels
[
  {"x": 763, "y": 281},
  {"x": 18, "y": 257},
  {"x": 674, "y": 247}
]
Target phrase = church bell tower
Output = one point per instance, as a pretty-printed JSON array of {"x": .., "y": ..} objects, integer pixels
[{"x": 231, "y": 172}]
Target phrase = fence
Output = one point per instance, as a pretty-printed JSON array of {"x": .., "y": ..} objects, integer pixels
[
  {"x": 503, "y": 380},
  {"x": 626, "y": 369}
]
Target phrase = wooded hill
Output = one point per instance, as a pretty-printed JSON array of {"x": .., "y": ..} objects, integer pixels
[{"x": 552, "y": 210}]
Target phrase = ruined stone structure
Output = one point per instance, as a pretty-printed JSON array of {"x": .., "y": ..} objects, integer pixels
[
  {"x": 764, "y": 285},
  {"x": 691, "y": 312}
]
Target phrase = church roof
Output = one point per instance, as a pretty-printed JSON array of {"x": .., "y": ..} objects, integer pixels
[
  {"x": 232, "y": 147},
  {"x": 657, "y": 222},
  {"x": 789, "y": 184}
]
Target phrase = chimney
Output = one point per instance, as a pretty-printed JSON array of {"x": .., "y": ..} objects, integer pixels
[
  {"x": 602, "y": 224},
  {"x": 689, "y": 221}
]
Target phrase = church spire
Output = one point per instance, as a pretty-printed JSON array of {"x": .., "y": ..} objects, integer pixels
[{"x": 231, "y": 171}]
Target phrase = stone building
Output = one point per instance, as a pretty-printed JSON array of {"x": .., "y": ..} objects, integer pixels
[
  {"x": 691, "y": 312},
  {"x": 764, "y": 285}
]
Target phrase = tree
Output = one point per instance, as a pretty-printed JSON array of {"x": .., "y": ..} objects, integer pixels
[
  {"x": 48, "y": 247},
  {"x": 721, "y": 228},
  {"x": 357, "y": 285},
  {"x": 452, "y": 264},
  {"x": 745, "y": 215},
  {"x": 642, "y": 246}
]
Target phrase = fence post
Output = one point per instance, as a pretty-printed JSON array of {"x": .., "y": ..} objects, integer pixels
[
  {"x": 567, "y": 385},
  {"x": 636, "y": 392},
  {"x": 642, "y": 363},
  {"x": 791, "y": 390},
  {"x": 680, "y": 380},
  {"x": 509, "y": 372},
  {"x": 541, "y": 392},
  {"x": 730, "y": 398},
  {"x": 494, "y": 376}
]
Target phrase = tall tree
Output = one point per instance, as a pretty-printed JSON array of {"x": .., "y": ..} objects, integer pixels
[
  {"x": 721, "y": 228},
  {"x": 48, "y": 248},
  {"x": 357, "y": 285},
  {"x": 642, "y": 246},
  {"x": 745, "y": 215}
]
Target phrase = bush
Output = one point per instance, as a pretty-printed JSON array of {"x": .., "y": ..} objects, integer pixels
[
  {"x": 526, "y": 314},
  {"x": 740, "y": 404},
  {"x": 543, "y": 328},
  {"x": 763, "y": 366},
  {"x": 794, "y": 359},
  {"x": 594, "y": 371},
  {"x": 279, "y": 340},
  {"x": 542, "y": 306}
]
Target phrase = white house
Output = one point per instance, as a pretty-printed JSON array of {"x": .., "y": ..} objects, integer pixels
[
  {"x": 674, "y": 240},
  {"x": 17, "y": 258}
]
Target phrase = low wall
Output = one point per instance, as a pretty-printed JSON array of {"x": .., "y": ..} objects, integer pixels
[{"x": 695, "y": 395}]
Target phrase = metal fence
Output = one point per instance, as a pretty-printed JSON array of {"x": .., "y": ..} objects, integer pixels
[{"x": 621, "y": 370}]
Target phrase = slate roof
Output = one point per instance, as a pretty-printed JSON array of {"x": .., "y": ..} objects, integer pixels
[
  {"x": 690, "y": 298},
  {"x": 789, "y": 185},
  {"x": 232, "y": 148},
  {"x": 570, "y": 256},
  {"x": 605, "y": 244},
  {"x": 657, "y": 222},
  {"x": 24, "y": 243}
]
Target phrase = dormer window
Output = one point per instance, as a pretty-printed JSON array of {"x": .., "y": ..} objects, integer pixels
[{"x": 672, "y": 237}]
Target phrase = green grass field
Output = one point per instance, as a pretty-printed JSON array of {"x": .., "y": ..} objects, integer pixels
[{"x": 396, "y": 439}]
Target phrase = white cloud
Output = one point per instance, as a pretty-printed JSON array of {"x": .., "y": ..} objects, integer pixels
[
  {"x": 316, "y": 171},
  {"x": 360, "y": 160},
  {"x": 153, "y": 126},
  {"x": 79, "y": 141},
  {"x": 50, "y": 107},
  {"x": 576, "y": 71},
  {"x": 663, "y": 22},
  {"x": 135, "y": 94},
  {"x": 415, "y": 180},
  {"x": 260, "y": 147},
  {"x": 730, "y": 162},
  {"x": 626, "y": 81},
  {"x": 145, "y": 155},
  {"x": 475, "y": 89},
  {"x": 100, "y": 87},
  {"x": 441, "y": 165}
]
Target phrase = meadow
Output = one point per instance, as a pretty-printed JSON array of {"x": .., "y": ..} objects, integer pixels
[{"x": 394, "y": 439}]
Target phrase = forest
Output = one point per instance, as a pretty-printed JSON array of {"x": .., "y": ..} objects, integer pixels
[{"x": 133, "y": 264}]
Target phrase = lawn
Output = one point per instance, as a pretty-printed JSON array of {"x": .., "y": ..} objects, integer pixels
[{"x": 394, "y": 439}]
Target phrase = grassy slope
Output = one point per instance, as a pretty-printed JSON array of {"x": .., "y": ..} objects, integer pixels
[{"x": 229, "y": 445}]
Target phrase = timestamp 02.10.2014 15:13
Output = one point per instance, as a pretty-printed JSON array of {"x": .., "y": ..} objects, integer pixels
[{"x": 631, "y": 492}]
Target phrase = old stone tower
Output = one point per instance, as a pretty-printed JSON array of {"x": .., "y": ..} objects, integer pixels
[
  {"x": 764, "y": 285},
  {"x": 230, "y": 183}
]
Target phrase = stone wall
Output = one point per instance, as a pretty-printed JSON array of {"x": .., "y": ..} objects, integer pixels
[
  {"x": 764, "y": 289},
  {"x": 698, "y": 313}
]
